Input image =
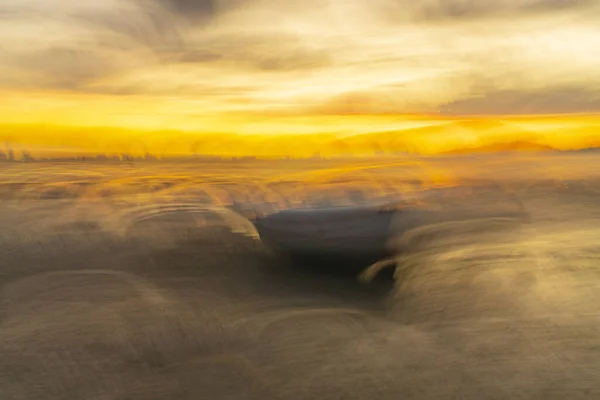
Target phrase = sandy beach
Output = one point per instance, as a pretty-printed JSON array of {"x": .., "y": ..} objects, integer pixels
[{"x": 132, "y": 282}]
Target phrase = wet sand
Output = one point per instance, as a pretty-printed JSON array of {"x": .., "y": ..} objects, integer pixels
[{"x": 96, "y": 304}]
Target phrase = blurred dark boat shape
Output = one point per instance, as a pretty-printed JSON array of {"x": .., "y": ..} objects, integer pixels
[{"x": 351, "y": 235}]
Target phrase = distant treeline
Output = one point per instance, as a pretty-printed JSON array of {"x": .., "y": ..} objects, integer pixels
[{"x": 25, "y": 156}]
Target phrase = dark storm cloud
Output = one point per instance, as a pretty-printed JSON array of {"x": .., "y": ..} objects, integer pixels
[
  {"x": 544, "y": 101},
  {"x": 436, "y": 10}
]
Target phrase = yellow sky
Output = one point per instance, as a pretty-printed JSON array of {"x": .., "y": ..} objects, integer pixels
[{"x": 268, "y": 67}]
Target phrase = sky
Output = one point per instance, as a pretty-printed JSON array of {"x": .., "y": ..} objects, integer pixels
[{"x": 268, "y": 67}]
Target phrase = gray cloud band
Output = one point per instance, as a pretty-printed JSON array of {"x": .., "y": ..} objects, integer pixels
[{"x": 439, "y": 10}]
